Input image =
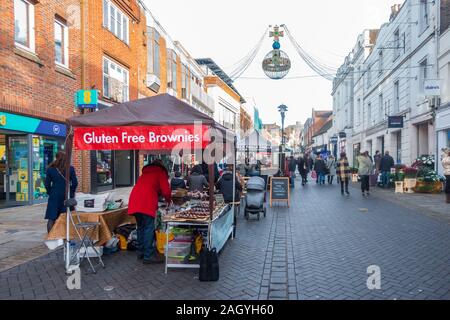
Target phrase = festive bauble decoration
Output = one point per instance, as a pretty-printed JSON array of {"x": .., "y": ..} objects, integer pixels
[
  {"x": 276, "y": 64},
  {"x": 276, "y": 45}
]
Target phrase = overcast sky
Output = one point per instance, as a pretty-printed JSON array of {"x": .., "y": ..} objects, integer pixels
[{"x": 227, "y": 31}]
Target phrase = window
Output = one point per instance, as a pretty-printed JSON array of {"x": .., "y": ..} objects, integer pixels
[
  {"x": 399, "y": 146},
  {"x": 61, "y": 43},
  {"x": 369, "y": 114},
  {"x": 115, "y": 21},
  {"x": 380, "y": 107},
  {"x": 229, "y": 119},
  {"x": 174, "y": 72},
  {"x": 104, "y": 167},
  {"x": 423, "y": 74},
  {"x": 396, "y": 97},
  {"x": 369, "y": 76},
  {"x": 423, "y": 15},
  {"x": 115, "y": 81},
  {"x": 185, "y": 82},
  {"x": 396, "y": 44},
  {"x": 156, "y": 54},
  {"x": 380, "y": 63},
  {"x": 169, "y": 68},
  {"x": 24, "y": 24},
  {"x": 358, "y": 112}
]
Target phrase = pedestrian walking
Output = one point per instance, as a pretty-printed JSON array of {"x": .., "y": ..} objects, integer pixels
[
  {"x": 386, "y": 164},
  {"x": 446, "y": 166},
  {"x": 302, "y": 170},
  {"x": 343, "y": 172},
  {"x": 292, "y": 166},
  {"x": 320, "y": 168},
  {"x": 331, "y": 166},
  {"x": 377, "y": 159},
  {"x": 364, "y": 171},
  {"x": 143, "y": 205},
  {"x": 55, "y": 183}
]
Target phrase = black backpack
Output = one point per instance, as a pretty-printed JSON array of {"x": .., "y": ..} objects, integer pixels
[{"x": 209, "y": 265}]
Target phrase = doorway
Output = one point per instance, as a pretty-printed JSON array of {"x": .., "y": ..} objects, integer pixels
[{"x": 123, "y": 168}]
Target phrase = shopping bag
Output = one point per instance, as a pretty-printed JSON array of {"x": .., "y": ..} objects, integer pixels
[
  {"x": 209, "y": 265},
  {"x": 161, "y": 240},
  {"x": 313, "y": 175}
]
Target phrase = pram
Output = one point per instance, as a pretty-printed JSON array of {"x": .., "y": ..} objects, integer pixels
[{"x": 255, "y": 197}]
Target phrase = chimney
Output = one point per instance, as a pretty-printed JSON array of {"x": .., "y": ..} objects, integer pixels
[{"x": 394, "y": 11}]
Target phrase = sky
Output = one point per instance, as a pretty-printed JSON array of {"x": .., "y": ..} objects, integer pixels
[{"x": 227, "y": 31}]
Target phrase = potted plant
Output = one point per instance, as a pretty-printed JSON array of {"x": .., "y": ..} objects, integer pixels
[
  {"x": 410, "y": 179},
  {"x": 428, "y": 181}
]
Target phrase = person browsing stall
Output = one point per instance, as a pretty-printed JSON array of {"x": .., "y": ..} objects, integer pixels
[
  {"x": 197, "y": 180},
  {"x": 143, "y": 205}
]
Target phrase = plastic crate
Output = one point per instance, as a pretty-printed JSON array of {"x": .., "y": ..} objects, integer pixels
[{"x": 178, "y": 249}]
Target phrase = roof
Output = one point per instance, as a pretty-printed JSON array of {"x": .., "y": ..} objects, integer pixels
[
  {"x": 159, "y": 110},
  {"x": 327, "y": 126},
  {"x": 220, "y": 73}
]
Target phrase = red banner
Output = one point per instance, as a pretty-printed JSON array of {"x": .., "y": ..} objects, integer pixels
[{"x": 140, "y": 138}]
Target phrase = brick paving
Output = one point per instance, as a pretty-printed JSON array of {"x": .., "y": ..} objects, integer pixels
[{"x": 319, "y": 248}]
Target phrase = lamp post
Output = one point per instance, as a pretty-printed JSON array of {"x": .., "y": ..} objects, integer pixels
[{"x": 282, "y": 109}]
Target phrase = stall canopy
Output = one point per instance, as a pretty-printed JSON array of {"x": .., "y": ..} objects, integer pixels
[
  {"x": 155, "y": 123},
  {"x": 254, "y": 142}
]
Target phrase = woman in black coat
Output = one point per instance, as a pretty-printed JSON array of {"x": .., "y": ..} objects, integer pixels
[{"x": 55, "y": 183}]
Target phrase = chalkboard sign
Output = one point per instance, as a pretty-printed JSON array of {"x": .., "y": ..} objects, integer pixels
[{"x": 279, "y": 189}]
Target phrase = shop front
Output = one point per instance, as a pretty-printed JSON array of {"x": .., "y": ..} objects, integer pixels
[
  {"x": 27, "y": 146},
  {"x": 442, "y": 133}
]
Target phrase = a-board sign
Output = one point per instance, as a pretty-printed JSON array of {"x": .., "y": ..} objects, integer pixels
[{"x": 279, "y": 190}]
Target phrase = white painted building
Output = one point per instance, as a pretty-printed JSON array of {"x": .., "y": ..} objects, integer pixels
[
  {"x": 347, "y": 126},
  {"x": 443, "y": 112},
  {"x": 390, "y": 82}
]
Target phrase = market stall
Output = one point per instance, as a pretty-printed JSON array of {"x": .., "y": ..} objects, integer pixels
[{"x": 160, "y": 125}]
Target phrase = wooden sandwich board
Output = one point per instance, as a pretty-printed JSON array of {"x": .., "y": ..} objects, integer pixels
[{"x": 279, "y": 190}]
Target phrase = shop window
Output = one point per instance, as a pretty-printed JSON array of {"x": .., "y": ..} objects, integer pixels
[
  {"x": 24, "y": 24},
  {"x": 44, "y": 153},
  {"x": 104, "y": 168}
]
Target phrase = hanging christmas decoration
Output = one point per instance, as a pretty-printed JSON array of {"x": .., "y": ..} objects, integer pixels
[{"x": 276, "y": 64}]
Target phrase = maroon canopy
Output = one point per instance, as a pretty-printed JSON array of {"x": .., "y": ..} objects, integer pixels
[{"x": 159, "y": 110}]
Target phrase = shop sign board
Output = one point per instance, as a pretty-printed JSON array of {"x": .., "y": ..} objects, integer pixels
[
  {"x": 279, "y": 190},
  {"x": 141, "y": 137},
  {"x": 395, "y": 122},
  {"x": 334, "y": 139},
  {"x": 10, "y": 121},
  {"x": 432, "y": 87},
  {"x": 86, "y": 99}
]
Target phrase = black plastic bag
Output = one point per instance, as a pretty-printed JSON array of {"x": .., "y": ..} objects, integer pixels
[{"x": 209, "y": 265}]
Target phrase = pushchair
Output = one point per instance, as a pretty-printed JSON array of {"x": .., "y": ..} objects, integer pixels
[{"x": 255, "y": 197}]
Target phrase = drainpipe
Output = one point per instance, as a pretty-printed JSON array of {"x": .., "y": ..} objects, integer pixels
[
  {"x": 436, "y": 107},
  {"x": 84, "y": 170}
]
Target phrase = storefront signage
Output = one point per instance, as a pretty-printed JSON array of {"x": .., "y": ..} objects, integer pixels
[
  {"x": 432, "y": 87},
  {"x": 342, "y": 134},
  {"x": 17, "y": 122},
  {"x": 143, "y": 138},
  {"x": 395, "y": 122},
  {"x": 333, "y": 139},
  {"x": 86, "y": 99}
]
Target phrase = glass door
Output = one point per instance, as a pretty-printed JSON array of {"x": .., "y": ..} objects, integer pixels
[{"x": 17, "y": 170}]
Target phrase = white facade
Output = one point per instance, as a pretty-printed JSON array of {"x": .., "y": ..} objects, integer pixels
[
  {"x": 346, "y": 86},
  {"x": 443, "y": 112},
  {"x": 227, "y": 109},
  {"x": 390, "y": 82}
]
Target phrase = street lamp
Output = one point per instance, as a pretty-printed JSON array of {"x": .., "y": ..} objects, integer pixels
[{"x": 282, "y": 109}]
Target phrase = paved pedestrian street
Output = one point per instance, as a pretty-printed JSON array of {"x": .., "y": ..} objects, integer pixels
[{"x": 319, "y": 248}]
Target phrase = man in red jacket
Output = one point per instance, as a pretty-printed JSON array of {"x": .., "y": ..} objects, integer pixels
[{"x": 143, "y": 204}]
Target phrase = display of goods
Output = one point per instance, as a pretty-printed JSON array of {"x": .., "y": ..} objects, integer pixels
[
  {"x": 198, "y": 195},
  {"x": 179, "y": 193}
]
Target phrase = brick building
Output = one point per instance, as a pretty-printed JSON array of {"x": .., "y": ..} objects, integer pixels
[{"x": 40, "y": 66}]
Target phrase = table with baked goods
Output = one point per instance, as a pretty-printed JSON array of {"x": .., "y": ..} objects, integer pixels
[{"x": 192, "y": 211}]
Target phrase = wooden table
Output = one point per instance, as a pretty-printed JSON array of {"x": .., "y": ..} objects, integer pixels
[{"x": 109, "y": 220}]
